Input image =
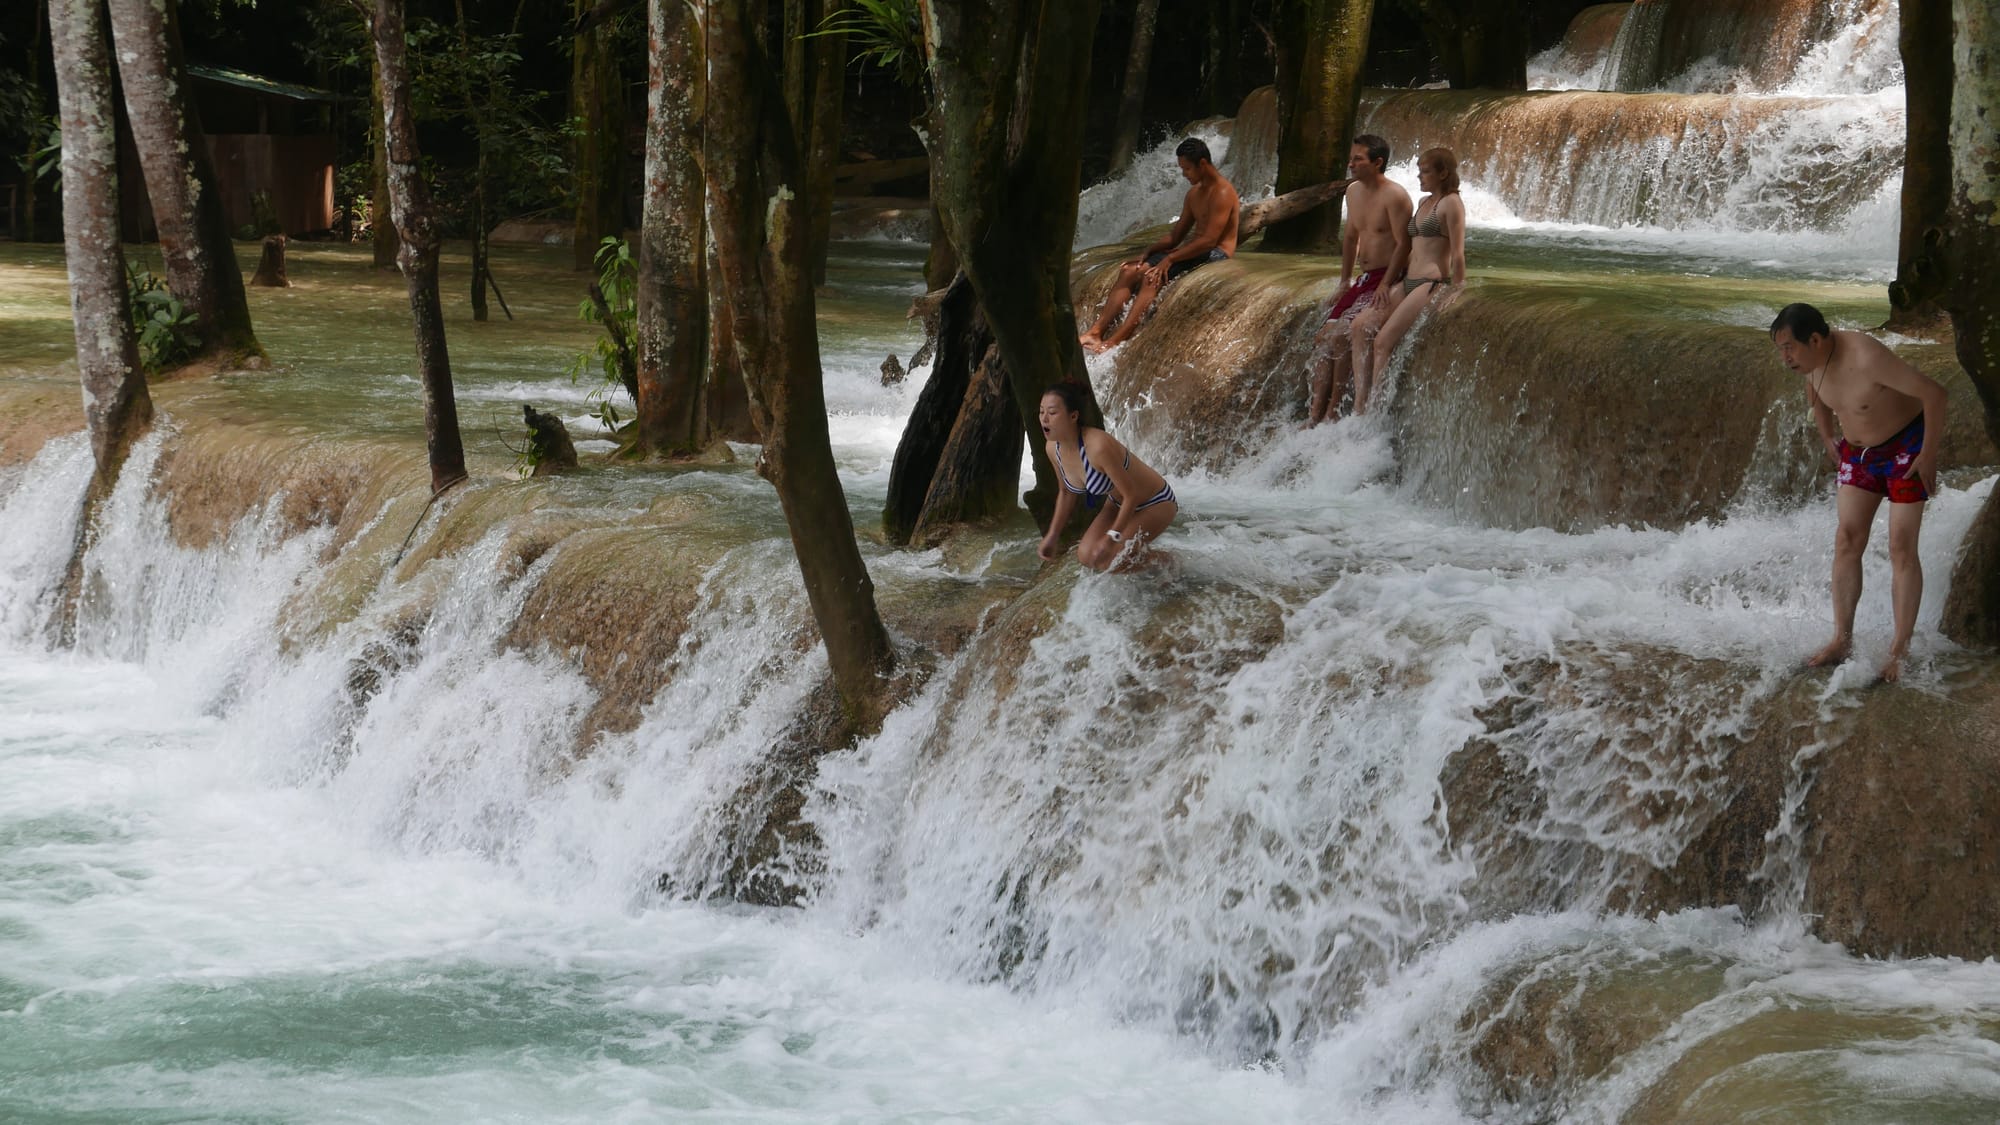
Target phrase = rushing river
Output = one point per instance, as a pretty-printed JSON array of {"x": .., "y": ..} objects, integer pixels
[{"x": 1176, "y": 857}]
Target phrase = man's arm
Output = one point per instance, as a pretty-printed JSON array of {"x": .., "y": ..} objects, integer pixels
[
  {"x": 1823, "y": 421},
  {"x": 1175, "y": 233},
  {"x": 1400, "y": 209},
  {"x": 1214, "y": 221},
  {"x": 1350, "y": 244}
]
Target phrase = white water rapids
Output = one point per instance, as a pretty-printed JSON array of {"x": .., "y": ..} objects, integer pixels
[{"x": 1177, "y": 857}]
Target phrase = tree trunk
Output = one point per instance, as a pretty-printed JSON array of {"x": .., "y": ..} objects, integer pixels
[
  {"x": 957, "y": 344},
  {"x": 597, "y": 105},
  {"x": 1132, "y": 101},
  {"x": 482, "y": 247},
  {"x": 1481, "y": 44},
  {"x": 1972, "y": 245},
  {"x": 381, "y": 218},
  {"x": 974, "y": 479},
  {"x": 24, "y": 208},
  {"x": 199, "y": 259},
  {"x": 829, "y": 63},
  {"x": 1008, "y": 99},
  {"x": 417, "y": 230},
  {"x": 760, "y": 226},
  {"x": 271, "y": 265},
  {"x": 1927, "y": 67},
  {"x": 725, "y": 396},
  {"x": 941, "y": 261},
  {"x": 1321, "y": 46},
  {"x": 672, "y": 298},
  {"x": 116, "y": 405}
]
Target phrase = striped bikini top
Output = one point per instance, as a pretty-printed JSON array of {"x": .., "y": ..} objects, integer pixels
[
  {"x": 1430, "y": 226},
  {"x": 1095, "y": 484}
]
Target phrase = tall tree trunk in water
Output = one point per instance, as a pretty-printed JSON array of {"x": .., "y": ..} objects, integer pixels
[
  {"x": 1972, "y": 241},
  {"x": 194, "y": 234},
  {"x": 597, "y": 105},
  {"x": 759, "y": 222},
  {"x": 481, "y": 247},
  {"x": 381, "y": 218},
  {"x": 24, "y": 212},
  {"x": 1132, "y": 101},
  {"x": 1321, "y": 46},
  {"x": 417, "y": 228},
  {"x": 115, "y": 403},
  {"x": 672, "y": 298},
  {"x": 1926, "y": 42},
  {"x": 822, "y": 135},
  {"x": 1008, "y": 95}
]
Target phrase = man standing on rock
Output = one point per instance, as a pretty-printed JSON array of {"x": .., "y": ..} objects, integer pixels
[
  {"x": 1884, "y": 407},
  {"x": 1205, "y": 232},
  {"x": 1377, "y": 241}
]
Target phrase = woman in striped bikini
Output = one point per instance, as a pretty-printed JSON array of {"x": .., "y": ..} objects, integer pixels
[{"x": 1094, "y": 467}]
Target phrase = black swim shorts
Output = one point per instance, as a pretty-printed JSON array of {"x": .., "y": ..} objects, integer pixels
[{"x": 1188, "y": 266}]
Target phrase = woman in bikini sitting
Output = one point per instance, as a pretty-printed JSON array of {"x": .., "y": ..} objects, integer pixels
[
  {"x": 1094, "y": 467},
  {"x": 1436, "y": 268}
]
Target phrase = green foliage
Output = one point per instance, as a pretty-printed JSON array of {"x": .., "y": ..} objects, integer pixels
[
  {"x": 618, "y": 278},
  {"x": 22, "y": 112},
  {"x": 469, "y": 79},
  {"x": 883, "y": 33},
  {"x": 166, "y": 328},
  {"x": 44, "y": 159}
]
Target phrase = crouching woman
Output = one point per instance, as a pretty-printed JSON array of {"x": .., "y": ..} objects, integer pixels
[{"x": 1096, "y": 469}]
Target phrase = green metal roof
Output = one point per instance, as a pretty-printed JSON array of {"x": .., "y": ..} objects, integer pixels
[{"x": 263, "y": 85}]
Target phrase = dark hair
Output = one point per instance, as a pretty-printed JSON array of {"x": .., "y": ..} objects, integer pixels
[
  {"x": 1074, "y": 397},
  {"x": 1378, "y": 149},
  {"x": 1444, "y": 162},
  {"x": 1802, "y": 321},
  {"x": 1195, "y": 151}
]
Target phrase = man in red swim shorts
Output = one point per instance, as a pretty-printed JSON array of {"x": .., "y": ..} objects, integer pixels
[
  {"x": 1375, "y": 238},
  {"x": 1884, "y": 408}
]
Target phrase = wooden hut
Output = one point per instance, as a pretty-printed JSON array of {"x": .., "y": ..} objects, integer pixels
[{"x": 272, "y": 148}]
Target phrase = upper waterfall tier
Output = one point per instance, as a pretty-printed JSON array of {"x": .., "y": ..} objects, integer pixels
[
  {"x": 1728, "y": 46},
  {"x": 1677, "y": 161}
]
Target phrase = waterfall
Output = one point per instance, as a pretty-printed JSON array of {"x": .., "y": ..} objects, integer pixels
[{"x": 1633, "y": 61}]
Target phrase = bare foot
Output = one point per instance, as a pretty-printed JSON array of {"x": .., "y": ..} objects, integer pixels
[
  {"x": 1834, "y": 653},
  {"x": 1892, "y": 670},
  {"x": 1091, "y": 342}
]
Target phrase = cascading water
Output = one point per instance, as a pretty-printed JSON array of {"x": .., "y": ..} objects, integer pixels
[{"x": 1209, "y": 845}]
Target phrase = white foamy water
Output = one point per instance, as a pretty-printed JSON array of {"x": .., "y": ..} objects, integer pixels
[
  {"x": 1175, "y": 858},
  {"x": 1149, "y": 194}
]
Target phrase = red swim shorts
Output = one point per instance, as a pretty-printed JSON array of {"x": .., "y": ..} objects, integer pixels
[
  {"x": 1882, "y": 468},
  {"x": 1360, "y": 294}
]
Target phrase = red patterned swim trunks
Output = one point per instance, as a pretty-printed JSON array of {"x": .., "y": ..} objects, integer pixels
[
  {"x": 1882, "y": 468},
  {"x": 1360, "y": 294}
]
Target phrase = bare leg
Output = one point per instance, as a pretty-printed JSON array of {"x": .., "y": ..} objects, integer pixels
[
  {"x": 1407, "y": 310},
  {"x": 1330, "y": 362},
  {"x": 1095, "y": 548},
  {"x": 1906, "y": 573},
  {"x": 1121, "y": 291},
  {"x": 1850, "y": 538},
  {"x": 1362, "y": 351},
  {"x": 1142, "y": 301}
]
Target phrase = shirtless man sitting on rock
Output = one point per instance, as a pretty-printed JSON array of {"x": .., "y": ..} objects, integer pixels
[
  {"x": 1204, "y": 233},
  {"x": 1376, "y": 240},
  {"x": 1884, "y": 407}
]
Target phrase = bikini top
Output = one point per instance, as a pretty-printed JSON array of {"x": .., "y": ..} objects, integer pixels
[
  {"x": 1430, "y": 226},
  {"x": 1096, "y": 485}
]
